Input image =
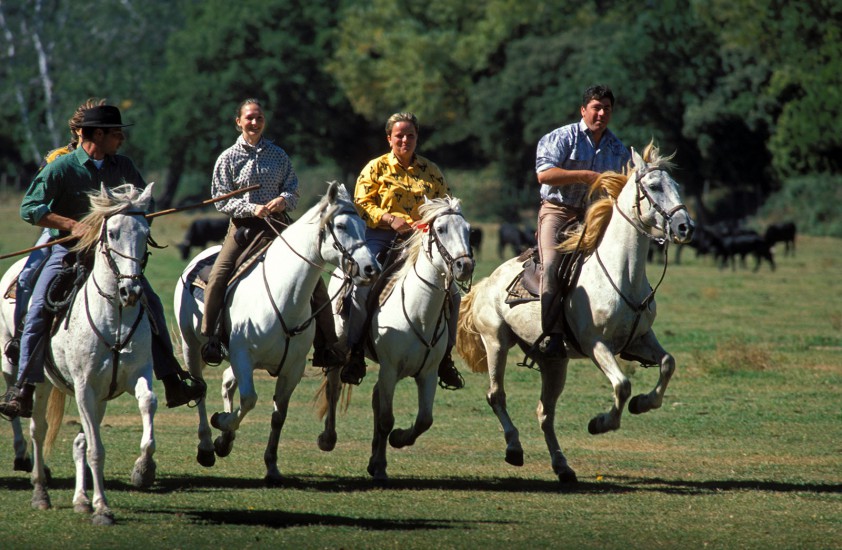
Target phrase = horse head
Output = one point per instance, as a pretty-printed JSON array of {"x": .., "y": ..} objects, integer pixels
[
  {"x": 656, "y": 205},
  {"x": 342, "y": 236},
  {"x": 120, "y": 231},
  {"x": 447, "y": 238}
]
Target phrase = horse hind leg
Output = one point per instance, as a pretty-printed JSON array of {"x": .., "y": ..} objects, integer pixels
[
  {"x": 496, "y": 399},
  {"x": 279, "y": 415},
  {"x": 553, "y": 378},
  {"x": 328, "y": 397},
  {"x": 384, "y": 422},
  {"x": 229, "y": 421},
  {"x": 38, "y": 433}
]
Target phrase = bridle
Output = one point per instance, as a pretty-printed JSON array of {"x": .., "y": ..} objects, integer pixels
[
  {"x": 448, "y": 258},
  {"x": 107, "y": 250},
  {"x": 641, "y": 193},
  {"x": 349, "y": 264}
]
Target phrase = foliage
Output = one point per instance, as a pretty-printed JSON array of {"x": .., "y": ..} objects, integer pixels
[{"x": 812, "y": 202}]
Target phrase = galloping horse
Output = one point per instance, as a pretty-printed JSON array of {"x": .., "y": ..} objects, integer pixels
[
  {"x": 608, "y": 312},
  {"x": 269, "y": 317},
  {"x": 409, "y": 330},
  {"x": 102, "y": 349}
]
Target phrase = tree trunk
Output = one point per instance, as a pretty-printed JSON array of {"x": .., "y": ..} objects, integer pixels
[{"x": 174, "y": 172}]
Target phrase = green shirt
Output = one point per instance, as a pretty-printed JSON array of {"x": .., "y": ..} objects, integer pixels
[{"x": 62, "y": 187}]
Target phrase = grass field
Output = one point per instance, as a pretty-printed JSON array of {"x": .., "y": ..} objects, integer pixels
[{"x": 745, "y": 453}]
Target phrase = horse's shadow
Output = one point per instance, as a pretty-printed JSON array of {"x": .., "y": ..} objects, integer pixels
[{"x": 340, "y": 484}]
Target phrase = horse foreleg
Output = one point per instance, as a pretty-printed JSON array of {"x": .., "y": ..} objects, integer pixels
[
  {"x": 650, "y": 351},
  {"x": 332, "y": 394},
  {"x": 143, "y": 473},
  {"x": 23, "y": 463},
  {"x": 91, "y": 411},
  {"x": 283, "y": 392},
  {"x": 553, "y": 377},
  {"x": 605, "y": 360},
  {"x": 424, "y": 419},
  {"x": 384, "y": 422},
  {"x": 229, "y": 421},
  {"x": 37, "y": 433},
  {"x": 496, "y": 398},
  {"x": 205, "y": 455},
  {"x": 81, "y": 502}
]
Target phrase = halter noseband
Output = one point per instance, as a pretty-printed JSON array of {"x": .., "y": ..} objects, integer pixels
[
  {"x": 107, "y": 250},
  {"x": 641, "y": 193}
]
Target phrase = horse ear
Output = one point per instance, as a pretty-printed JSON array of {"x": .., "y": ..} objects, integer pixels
[
  {"x": 146, "y": 196},
  {"x": 105, "y": 192},
  {"x": 637, "y": 160},
  {"x": 332, "y": 192}
]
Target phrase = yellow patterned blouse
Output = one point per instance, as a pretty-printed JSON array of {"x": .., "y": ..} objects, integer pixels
[{"x": 384, "y": 186}]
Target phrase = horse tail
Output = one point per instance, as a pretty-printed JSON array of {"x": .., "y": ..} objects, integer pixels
[
  {"x": 320, "y": 401},
  {"x": 55, "y": 414},
  {"x": 469, "y": 344}
]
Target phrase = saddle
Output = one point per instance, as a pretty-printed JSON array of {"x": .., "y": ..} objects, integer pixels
[
  {"x": 254, "y": 252},
  {"x": 526, "y": 286}
]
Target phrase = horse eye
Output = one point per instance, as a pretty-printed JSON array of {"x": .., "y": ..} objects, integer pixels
[
  {"x": 341, "y": 226},
  {"x": 656, "y": 187}
]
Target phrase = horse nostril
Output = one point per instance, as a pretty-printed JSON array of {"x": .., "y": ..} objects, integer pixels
[{"x": 369, "y": 270}]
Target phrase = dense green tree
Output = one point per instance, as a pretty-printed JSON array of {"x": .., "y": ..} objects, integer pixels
[{"x": 269, "y": 49}]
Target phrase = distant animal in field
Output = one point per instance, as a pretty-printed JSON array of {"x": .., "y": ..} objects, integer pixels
[
  {"x": 476, "y": 240},
  {"x": 742, "y": 244},
  {"x": 783, "y": 232},
  {"x": 201, "y": 232},
  {"x": 511, "y": 235}
]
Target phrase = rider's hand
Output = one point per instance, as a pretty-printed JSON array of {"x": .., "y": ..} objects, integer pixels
[
  {"x": 79, "y": 229},
  {"x": 400, "y": 225},
  {"x": 277, "y": 205},
  {"x": 261, "y": 211}
]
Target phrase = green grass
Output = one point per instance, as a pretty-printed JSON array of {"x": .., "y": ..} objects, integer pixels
[{"x": 746, "y": 451}]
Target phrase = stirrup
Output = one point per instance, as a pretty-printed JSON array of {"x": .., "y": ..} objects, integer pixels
[
  {"x": 354, "y": 370},
  {"x": 12, "y": 350},
  {"x": 450, "y": 378},
  {"x": 213, "y": 352}
]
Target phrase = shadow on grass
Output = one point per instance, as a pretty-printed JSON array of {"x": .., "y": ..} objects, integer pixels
[
  {"x": 337, "y": 484},
  {"x": 281, "y": 520}
]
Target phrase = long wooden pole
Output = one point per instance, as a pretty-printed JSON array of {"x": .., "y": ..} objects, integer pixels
[{"x": 148, "y": 216}]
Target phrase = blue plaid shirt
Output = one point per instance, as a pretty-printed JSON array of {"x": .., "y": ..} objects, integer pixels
[{"x": 571, "y": 147}]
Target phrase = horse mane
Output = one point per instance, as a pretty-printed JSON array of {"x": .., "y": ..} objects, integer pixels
[
  {"x": 429, "y": 211},
  {"x": 103, "y": 205},
  {"x": 608, "y": 186}
]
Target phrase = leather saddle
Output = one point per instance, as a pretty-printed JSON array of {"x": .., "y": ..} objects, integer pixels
[{"x": 526, "y": 286}]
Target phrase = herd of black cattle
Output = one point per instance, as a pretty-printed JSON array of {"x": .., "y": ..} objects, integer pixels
[{"x": 726, "y": 243}]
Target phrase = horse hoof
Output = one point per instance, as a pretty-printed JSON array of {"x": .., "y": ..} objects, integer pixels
[
  {"x": 40, "y": 498},
  {"x": 273, "y": 479},
  {"x": 395, "y": 439},
  {"x": 221, "y": 447},
  {"x": 593, "y": 427},
  {"x": 514, "y": 457},
  {"x": 214, "y": 420},
  {"x": 206, "y": 458},
  {"x": 567, "y": 477},
  {"x": 326, "y": 442},
  {"x": 143, "y": 474},
  {"x": 23, "y": 464},
  {"x": 103, "y": 518},
  {"x": 636, "y": 405},
  {"x": 83, "y": 508}
]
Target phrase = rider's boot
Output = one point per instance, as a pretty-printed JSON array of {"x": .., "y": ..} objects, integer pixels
[
  {"x": 12, "y": 349},
  {"x": 354, "y": 370},
  {"x": 182, "y": 391},
  {"x": 17, "y": 402},
  {"x": 449, "y": 376}
]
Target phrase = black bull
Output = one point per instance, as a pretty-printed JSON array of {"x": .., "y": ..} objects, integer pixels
[{"x": 201, "y": 232}]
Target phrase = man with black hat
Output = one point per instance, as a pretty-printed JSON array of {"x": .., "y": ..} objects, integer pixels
[{"x": 57, "y": 199}]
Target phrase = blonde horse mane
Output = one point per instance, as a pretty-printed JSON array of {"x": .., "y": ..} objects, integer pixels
[
  {"x": 608, "y": 186},
  {"x": 103, "y": 205},
  {"x": 429, "y": 211}
]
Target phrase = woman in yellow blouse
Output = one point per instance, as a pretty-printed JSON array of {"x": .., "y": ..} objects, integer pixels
[{"x": 388, "y": 193}]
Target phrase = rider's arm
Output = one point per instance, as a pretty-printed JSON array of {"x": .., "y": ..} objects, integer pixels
[{"x": 559, "y": 176}]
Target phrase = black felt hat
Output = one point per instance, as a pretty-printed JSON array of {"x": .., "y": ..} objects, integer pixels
[{"x": 102, "y": 116}]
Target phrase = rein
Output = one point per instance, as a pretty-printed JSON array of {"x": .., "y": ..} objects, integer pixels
[
  {"x": 118, "y": 344},
  {"x": 349, "y": 268}
]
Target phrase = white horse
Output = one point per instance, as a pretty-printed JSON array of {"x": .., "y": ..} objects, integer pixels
[
  {"x": 409, "y": 330},
  {"x": 102, "y": 349},
  {"x": 609, "y": 312},
  {"x": 269, "y": 317}
]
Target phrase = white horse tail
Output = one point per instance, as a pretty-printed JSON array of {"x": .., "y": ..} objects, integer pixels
[
  {"x": 469, "y": 344},
  {"x": 55, "y": 414},
  {"x": 321, "y": 402}
]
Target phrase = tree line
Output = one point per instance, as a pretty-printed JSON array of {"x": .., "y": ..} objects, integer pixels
[{"x": 746, "y": 92}]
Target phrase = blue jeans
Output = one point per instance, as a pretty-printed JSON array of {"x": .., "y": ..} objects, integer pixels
[
  {"x": 29, "y": 275},
  {"x": 38, "y": 319}
]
